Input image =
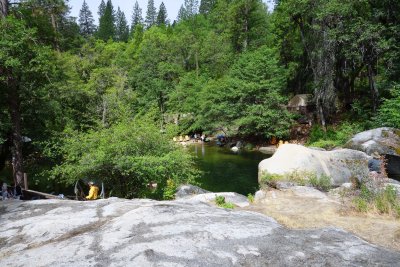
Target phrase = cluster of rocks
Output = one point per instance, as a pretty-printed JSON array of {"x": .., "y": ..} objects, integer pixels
[{"x": 342, "y": 165}]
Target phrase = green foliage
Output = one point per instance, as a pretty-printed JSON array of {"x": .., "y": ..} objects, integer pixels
[
  {"x": 250, "y": 197},
  {"x": 384, "y": 200},
  {"x": 121, "y": 27},
  {"x": 86, "y": 21},
  {"x": 322, "y": 183},
  {"x": 334, "y": 136},
  {"x": 388, "y": 114},
  {"x": 220, "y": 201},
  {"x": 127, "y": 156},
  {"x": 361, "y": 205},
  {"x": 248, "y": 101},
  {"x": 106, "y": 29},
  {"x": 137, "y": 18},
  {"x": 151, "y": 14},
  {"x": 162, "y": 16},
  {"x": 170, "y": 189}
]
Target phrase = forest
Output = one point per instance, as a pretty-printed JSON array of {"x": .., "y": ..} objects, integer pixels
[{"x": 81, "y": 99}]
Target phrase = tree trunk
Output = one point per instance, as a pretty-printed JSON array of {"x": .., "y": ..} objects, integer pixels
[
  {"x": 373, "y": 88},
  {"x": 14, "y": 111},
  {"x": 3, "y": 8},
  {"x": 161, "y": 106},
  {"x": 15, "y": 115},
  {"x": 104, "y": 115},
  {"x": 197, "y": 64},
  {"x": 55, "y": 28}
]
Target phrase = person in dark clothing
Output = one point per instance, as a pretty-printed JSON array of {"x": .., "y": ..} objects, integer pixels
[{"x": 375, "y": 163}]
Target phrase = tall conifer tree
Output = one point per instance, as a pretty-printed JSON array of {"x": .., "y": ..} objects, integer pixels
[
  {"x": 181, "y": 14},
  {"x": 106, "y": 26},
  {"x": 102, "y": 8},
  {"x": 191, "y": 7},
  {"x": 206, "y": 6},
  {"x": 151, "y": 14},
  {"x": 162, "y": 15},
  {"x": 121, "y": 27},
  {"x": 86, "y": 21},
  {"x": 137, "y": 18}
]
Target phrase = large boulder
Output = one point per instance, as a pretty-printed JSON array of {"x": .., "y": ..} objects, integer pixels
[
  {"x": 382, "y": 140},
  {"x": 340, "y": 165},
  {"x": 115, "y": 232},
  {"x": 385, "y": 141}
]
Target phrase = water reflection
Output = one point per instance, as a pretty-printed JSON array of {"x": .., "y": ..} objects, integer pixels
[{"x": 227, "y": 171}]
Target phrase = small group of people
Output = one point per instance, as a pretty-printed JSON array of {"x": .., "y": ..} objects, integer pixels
[
  {"x": 198, "y": 137},
  {"x": 10, "y": 192}
]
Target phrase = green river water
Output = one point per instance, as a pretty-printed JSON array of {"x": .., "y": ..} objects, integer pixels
[
  {"x": 223, "y": 171},
  {"x": 227, "y": 171}
]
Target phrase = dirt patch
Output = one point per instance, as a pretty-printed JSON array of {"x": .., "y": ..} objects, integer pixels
[{"x": 298, "y": 210}]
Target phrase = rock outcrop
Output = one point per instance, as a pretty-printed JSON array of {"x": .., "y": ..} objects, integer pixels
[
  {"x": 117, "y": 232},
  {"x": 340, "y": 165},
  {"x": 385, "y": 141},
  {"x": 187, "y": 191},
  {"x": 382, "y": 140}
]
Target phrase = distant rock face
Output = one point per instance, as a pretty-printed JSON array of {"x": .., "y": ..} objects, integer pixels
[
  {"x": 117, "y": 232},
  {"x": 340, "y": 165},
  {"x": 382, "y": 140}
]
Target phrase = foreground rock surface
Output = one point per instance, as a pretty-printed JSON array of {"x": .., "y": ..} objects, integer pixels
[
  {"x": 340, "y": 165},
  {"x": 117, "y": 232}
]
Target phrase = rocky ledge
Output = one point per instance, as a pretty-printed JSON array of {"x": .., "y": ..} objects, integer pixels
[{"x": 117, "y": 232}]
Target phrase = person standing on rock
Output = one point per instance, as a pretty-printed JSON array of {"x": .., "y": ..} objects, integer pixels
[
  {"x": 375, "y": 164},
  {"x": 93, "y": 192}
]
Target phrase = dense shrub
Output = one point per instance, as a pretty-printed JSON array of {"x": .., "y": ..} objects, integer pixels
[
  {"x": 334, "y": 136},
  {"x": 127, "y": 157},
  {"x": 389, "y": 112}
]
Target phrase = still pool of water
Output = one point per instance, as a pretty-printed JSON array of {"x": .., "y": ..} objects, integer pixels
[{"x": 227, "y": 171}]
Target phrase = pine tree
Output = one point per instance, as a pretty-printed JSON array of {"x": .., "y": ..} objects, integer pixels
[
  {"x": 206, "y": 6},
  {"x": 121, "y": 27},
  {"x": 86, "y": 21},
  {"x": 106, "y": 25},
  {"x": 151, "y": 14},
  {"x": 191, "y": 7},
  {"x": 162, "y": 15},
  {"x": 102, "y": 8},
  {"x": 181, "y": 14},
  {"x": 137, "y": 18}
]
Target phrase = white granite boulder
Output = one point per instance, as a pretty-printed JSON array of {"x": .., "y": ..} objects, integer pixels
[
  {"x": 340, "y": 165},
  {"x": 381, "y": 140}
]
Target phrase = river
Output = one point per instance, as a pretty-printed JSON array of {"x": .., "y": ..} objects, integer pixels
[{"x": 227, "y": 171}]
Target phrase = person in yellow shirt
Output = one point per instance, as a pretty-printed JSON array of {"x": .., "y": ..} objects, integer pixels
[{"x": 93, "y": 192}]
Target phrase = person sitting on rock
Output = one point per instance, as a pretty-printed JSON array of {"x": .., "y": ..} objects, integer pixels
[
  {"x": 93, "y": 192},
  {"x": 375, "y": 164},
  {"x": 4, "y": 191}
]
